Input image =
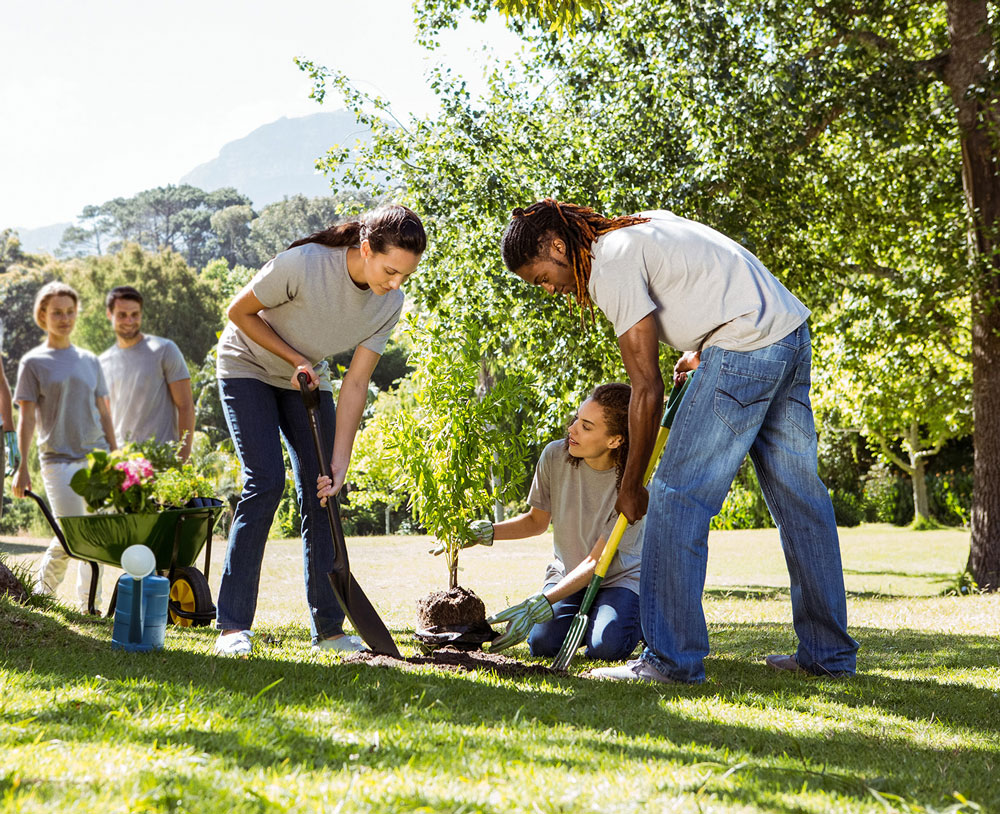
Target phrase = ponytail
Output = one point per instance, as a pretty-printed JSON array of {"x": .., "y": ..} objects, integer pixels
[{"x": 389, "y": 227}]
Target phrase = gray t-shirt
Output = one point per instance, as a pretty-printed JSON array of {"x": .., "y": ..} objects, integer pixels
[
  {"x": 703, "y": 288},
  {"x": 582, "y": 503},
  {"x": 138, "y": 378},
  {"x": 65, "y": 384},
  {"x": 313, "y": 304}
]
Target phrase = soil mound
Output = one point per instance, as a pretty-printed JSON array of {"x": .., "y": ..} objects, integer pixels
[{"x": 454, "y": 660}]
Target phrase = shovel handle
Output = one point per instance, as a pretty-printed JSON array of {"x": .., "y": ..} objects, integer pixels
[
  {"x": 673, "y": 402},
  {"x": 310, "y": 398}
]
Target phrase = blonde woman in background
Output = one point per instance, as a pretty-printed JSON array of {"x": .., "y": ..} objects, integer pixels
[{"x": 60, "y": 390}]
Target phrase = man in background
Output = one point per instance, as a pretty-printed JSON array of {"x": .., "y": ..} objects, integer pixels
[
  {"x": 148, "y": 378},
  {"x": 10, "y": 456}
]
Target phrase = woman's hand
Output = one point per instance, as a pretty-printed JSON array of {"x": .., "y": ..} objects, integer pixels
[
  {"x": 688, "y": 361},
  {"x": 306, "y": 368},
  {"x": 22, "y": 480},
  {"x": 327, "y": 487}
]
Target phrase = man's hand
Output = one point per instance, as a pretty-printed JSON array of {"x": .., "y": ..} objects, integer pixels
[
  {"x": 633, "y": 503},
  {"x": 520, "y": 620},
  {"x": 482, "y": 534},
  {"x": 13, "y": 453},
  {"x": 689, "y": 361}
]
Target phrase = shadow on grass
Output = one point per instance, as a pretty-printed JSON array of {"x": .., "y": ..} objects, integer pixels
[
  {"x": 765, "y": 592},
  {"x": 260, "y": 712},
  {"x": 21, "y": 548}
]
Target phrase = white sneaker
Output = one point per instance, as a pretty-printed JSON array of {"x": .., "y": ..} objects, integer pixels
[
  {"x": 234, "y": 644},
  {"x": 635, "y": 670},
  {"x": 342, "y": 644}
]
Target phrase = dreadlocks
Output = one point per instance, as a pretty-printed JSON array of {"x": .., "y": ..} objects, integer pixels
[{"x": 577, "y": 226}]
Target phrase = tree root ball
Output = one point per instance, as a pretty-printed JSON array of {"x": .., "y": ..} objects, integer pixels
[
  {"x": 11, "y": 586},
  {"x": 456, "y": 607}
]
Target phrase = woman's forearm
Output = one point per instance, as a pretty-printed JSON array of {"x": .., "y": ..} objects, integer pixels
[
  {"x": 529, "y": 524},
  {"x": 254, "y": 326}
]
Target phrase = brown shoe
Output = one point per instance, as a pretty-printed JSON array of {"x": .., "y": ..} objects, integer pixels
[{"x": 786, "y": 663}]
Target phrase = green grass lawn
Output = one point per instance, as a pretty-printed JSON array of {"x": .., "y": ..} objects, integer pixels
[{"x": 83, "y": 728}]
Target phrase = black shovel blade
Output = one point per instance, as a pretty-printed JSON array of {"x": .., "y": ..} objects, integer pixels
[{"x": 362, "y": 615}]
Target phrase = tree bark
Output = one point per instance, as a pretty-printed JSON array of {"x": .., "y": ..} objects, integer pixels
[
  {"x": 966, "y": 75},
  {"x": 921, "y": 505}
]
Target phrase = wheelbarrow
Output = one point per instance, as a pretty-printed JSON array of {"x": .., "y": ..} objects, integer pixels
[{"x": 176, "y": 537}]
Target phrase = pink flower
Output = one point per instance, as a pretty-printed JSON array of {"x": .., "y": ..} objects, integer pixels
[{"x": 138, "y": 471}]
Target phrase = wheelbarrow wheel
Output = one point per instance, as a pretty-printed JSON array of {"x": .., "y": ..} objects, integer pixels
[{"x": 190, "y": 599}]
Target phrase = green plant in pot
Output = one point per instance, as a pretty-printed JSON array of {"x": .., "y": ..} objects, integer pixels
[{"x": 453, "y": 453}]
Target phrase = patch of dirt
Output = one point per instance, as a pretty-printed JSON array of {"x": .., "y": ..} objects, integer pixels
[{"x": 450, "y": 659}]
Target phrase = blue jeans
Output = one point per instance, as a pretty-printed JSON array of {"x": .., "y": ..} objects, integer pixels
[
  {"x": 756, "y": 403},
  {"x": 612, "y": 631},
  {"x": 256, "y": 412}
]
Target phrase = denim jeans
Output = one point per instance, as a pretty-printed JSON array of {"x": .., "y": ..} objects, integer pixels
[
  {"x": 256, "y": 412},
  {"x": 612, "y": 631},
  {"x": 756, "y": 403}
]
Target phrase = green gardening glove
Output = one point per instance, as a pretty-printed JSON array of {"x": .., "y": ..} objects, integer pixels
[
  {"x": 520, "y": 620},
  {"x": 13, "y": 454},
  {"x": 482, "y": 534}
]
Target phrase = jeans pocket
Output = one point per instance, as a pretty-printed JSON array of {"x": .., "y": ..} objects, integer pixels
[
  {"x": 744, "y": 389},
  {"x": 798, "y": 409}
]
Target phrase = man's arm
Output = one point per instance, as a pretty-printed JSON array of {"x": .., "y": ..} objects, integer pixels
[
  {"x": 107, "y": 425},
  {"x": 180, "y": 394},
  {"x": 6, "y": 412},
  {"x": 640, "y": 348}
]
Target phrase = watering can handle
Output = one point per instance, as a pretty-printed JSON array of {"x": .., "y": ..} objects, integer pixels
[{"x": 135, "y": 621}]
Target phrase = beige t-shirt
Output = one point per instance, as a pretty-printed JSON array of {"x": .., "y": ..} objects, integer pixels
[
  {"x": 703, "y": 288},
  {"x": 582, "y": 503},
  {"x": 314, "y": 305}
]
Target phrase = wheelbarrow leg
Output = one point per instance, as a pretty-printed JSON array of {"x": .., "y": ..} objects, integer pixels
[{"x": 95, "y": 575}]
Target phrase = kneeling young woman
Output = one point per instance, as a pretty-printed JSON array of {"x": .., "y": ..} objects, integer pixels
[{"x": 575, "y": 488}]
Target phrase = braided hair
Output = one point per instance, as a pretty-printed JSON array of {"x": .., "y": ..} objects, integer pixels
[
  {"x": 531, "y": 229},
  {"x": 613, "y": 400},
  {"x": 391, "y": 226}
]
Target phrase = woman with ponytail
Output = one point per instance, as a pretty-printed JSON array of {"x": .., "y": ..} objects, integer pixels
[
  {"x": 333, "y": 291},
  {"x": 575, "y": 488}
]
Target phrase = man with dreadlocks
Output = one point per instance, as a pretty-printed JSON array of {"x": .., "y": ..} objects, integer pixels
[{"x": 662, "y": 278}]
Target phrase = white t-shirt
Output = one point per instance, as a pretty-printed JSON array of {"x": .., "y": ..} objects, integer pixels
[
  {"x": 582, "y": 503},
  {"x": 312, "y": 303},
  {"x": 65, "y": 384},
  {"x": 703, "y": 288},
  {"x": 138, "y": 377}
]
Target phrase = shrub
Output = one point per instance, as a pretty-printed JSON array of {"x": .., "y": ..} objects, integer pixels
[{"x": 744, "y": 507}]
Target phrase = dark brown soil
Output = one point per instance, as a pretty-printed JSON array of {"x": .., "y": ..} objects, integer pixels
[
  {"x": 452, "y": 660},
  {"x": 452, "y": 608},
  {"x": 10, "y": 586}
]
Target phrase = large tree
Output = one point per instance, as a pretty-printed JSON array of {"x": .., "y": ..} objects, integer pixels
[{"x": 759, "y": 118}]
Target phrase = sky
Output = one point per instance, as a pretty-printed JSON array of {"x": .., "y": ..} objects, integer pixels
[{"x": 106, "y": 98}]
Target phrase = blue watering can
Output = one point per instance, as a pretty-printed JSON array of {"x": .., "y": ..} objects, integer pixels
[{"x": 141, "y": 610}]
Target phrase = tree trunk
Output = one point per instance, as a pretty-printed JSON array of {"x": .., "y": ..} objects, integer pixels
[
  {"x": 453, "y": 570},
  {"x": 388, "y": 520},
  {"x": 921, "y": 506},
  {"x": 978, "y": 117}
]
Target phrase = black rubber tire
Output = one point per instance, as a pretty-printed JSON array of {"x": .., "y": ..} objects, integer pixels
[{"x": 190, "y": 592}]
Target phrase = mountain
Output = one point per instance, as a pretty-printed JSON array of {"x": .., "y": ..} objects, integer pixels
[
  {"x": 274, "y": 161},
  {"x": 278, "y": 159},
  {"x": 42, "y": 239}
]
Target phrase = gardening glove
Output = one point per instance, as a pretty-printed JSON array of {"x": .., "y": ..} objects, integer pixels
[
  {"x": 13, "y": 453},
  {"x": 520, "y": 620},
  {"x": 482, "y": 534}
]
